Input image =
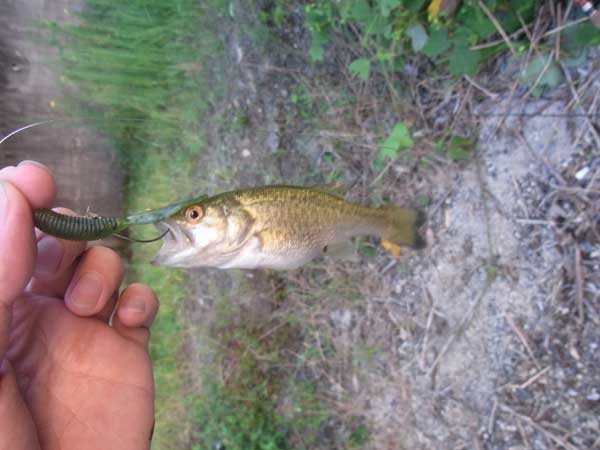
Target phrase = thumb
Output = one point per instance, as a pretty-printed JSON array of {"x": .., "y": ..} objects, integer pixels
[{"x": 17, "y": 253}]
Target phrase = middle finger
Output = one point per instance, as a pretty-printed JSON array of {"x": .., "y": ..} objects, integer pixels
[{"x": 96, "y": 279}]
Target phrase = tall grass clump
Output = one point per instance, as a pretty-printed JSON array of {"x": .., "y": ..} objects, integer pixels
[
  {"x": 137, "y": 71},
  {"x": 139, "y": 68}
]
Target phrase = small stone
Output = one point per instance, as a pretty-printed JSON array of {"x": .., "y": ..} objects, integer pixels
[
  {"x": 594, "y": 396},
  {"x": 582, "y": 173},
  {"x": 572, "y": 393}
]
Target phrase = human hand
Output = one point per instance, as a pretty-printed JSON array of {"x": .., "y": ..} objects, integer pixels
[{"x": 68, "y": 379}]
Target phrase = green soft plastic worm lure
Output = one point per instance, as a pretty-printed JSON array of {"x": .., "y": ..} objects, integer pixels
[{"x": 91, "y": 228}]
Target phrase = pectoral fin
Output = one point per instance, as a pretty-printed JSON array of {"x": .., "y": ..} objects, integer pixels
[{"x": 342, "y": 251}]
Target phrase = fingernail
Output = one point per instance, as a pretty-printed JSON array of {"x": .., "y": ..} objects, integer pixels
[
  {"x": 135, "y": 304},
  {"x": 50, "y": 254},
  {"x": 33, "y": 163},
  {"x": 87, "y": 290}
]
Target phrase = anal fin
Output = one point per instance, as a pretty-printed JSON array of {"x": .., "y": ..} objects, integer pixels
[{"x": 342, "y": 251}]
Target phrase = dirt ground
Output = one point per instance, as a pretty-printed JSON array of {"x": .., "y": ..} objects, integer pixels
[
  {"x": 85, "y": 168},
  {"x": 488, "y": 339}
]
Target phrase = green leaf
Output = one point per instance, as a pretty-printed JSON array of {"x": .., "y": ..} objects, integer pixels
[
  {"x": 543, "y": 70},
  {"x": 437, "y": 43},
  {"x": 463, "y": 61},
  {"x": 398, "y": 139},
  {"x": 580, "y": 36},
  {"x": 418, "y": 37},
  {"x": 423, "y": 200},
  {"x": 460, "y": 148},
  {"x": 316, "y": 51},
  {"x": 367, "y": 250},
  {"x": 360, "y": 68},
  {"x": 387, "y": 6},
  {"x": 414, "y": 5},
  {"x": 361, "y": 11},
  {"x": 475, "y": 20}
]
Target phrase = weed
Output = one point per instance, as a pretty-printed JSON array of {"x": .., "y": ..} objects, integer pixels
[
  {"x": 387, "y": 31},
  {"x": 248, "y": 401},
  {"x": 134, "y": 67}
]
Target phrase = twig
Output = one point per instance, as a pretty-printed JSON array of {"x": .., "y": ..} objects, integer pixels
[
  {"x": 391, "y": 264},
  {"x": 523, "y": 25},
  {"x": 534, "y": 222},
  {"x": 590, "y": 185},
  {"x": 492, "y": 419},
  {"x": 439, "y": 204},
  {"x": 427, "y": 326},
  {"x": 382, "y": 173},
  {"x": 578, "y": 102},
  {"x": 496, "y": 42},
  {"x": 523, "y": 339},
  {"x": 269, "y": 68},
  {"x": 461, "y": 326},
  {"x": 541, "y": 158},
  {"x": 538, "y": 427},
  {"x": 579, "y": 285},
  {"x": 580, "y": 192},
  {"x": 567, "y": 11},
  {"x": 506, "y": 111},
  {"x": 540, "y": 76},
  {"x": 524, "y": 29},
  {"x": 498, "y": 27},
  {"x": 590, "y": 111},
  {"x": 534, "y": 378},
  {"x": 558, "y": 19},
  {"x": 522, "y": 433},
  {"x": 490, "y": 94},
  {"x": 566, "y": 25}
]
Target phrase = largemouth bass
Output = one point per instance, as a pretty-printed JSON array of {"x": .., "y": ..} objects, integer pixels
[{"x": 277, "y": 227}]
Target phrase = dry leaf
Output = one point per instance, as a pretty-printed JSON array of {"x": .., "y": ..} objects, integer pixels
[{"x": 437, "y": 7}]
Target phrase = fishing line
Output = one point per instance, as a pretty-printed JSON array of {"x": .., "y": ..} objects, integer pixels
[
  {"x": 129, "y": 119},
  {"x": 315, "y": 131},
  {"x": 52, "y": 121},
  {"x": 31, "y": 125},
  {"x": 141, "y": 241}
]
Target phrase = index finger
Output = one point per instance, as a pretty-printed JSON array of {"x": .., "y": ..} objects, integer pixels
[{"x": 55, "y": 255}]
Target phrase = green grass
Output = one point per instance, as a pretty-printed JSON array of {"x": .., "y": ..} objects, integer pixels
[
  {"x": 134, "y": 66},
  {"x": 138, "y": 69},
  {"x": 259, "y": 392}
]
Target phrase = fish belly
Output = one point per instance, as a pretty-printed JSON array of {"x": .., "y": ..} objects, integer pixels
[{"x": 254, "y": 256}]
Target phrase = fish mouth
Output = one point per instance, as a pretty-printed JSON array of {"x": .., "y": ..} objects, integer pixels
[{"x": 176, "y": 240}]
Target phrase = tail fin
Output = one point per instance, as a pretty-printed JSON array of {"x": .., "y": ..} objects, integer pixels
[{"x": 403, "y": 227}]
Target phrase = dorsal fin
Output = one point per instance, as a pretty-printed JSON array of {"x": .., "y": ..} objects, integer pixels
[{"x": 335, "y": 188}]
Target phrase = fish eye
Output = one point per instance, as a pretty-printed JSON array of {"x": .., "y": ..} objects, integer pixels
[{"x": 194, "y": 214}]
